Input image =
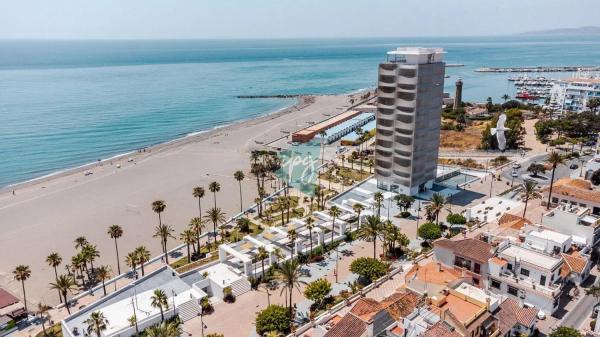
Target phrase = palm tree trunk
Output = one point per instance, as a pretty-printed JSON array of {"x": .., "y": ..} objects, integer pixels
[
  {"x": 44, "y": 324},
  {"x": 311, "y": 240},
  {"x": 56, "y": 278},
  {"x": 118, "y": 260},
  {"x": 332, "y": 229},
  {"x": 241, "y": 203},
  {"x": 551, "y": 185},
  {"x": 104, "y": 287},
  {"x": 159, "y": 219},
  {"x": 142, "y": 267},
  {"x": 162, "y": 315},
  {"x": 24, "y": 296},
  {"x": 66, "y": 302},
  {"x": 198, "y": 241},
  {"x": 188, "y": 251},
  {"x": 374, "y": 248},
  {"x": 215, "y": 198},
  {"x": 291, "y": 306},
  {"x": 166, "y": 255},
  {"x": 525, "y": 210}
]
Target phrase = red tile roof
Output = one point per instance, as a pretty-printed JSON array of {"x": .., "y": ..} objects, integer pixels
[
  {"x": 400, "y": 304},
  {"x": 575, "y": 188},
  {"x": 574, "y": 262},
  {"x": 349, "y": 326},
  {"x": 470, "y": 248},
  {"x": 440, "y": 329},
  {"x": 512, "y": 313},
  {"x": 508, "y": 220},
  {"x": 366, "y": 308},
  {"x": 7, "y": 298}
]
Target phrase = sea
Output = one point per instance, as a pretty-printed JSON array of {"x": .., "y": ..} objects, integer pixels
[{"x": 66, "y": 103}]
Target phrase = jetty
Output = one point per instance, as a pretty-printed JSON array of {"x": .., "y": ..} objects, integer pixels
[
  {"x": 273, "y": 96},
  {"x": 540, "y": 69}
]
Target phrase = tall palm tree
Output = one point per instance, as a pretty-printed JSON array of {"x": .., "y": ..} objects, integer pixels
[
  {"x": 115, "y": 232},
  {"x": 142, "y": 256},
  {"x": 358, "y": 208},
  {"x": 334, "y": 212},
  {"x": 438, "y": 202},
  {"x": 103, "y": 273},
  {"x": 292, "y": 236},
  {"x": 158, "y": 207},
  {"x": 131, "y": 260},
  {"x": 96, "y": 323},
  {"x": 164, "y": 232},
  {"x": 90, "y": 253},
  {"x": 289, "y": 274},
  {"x": 214, "y": 187},
  {"x": 21, "y": 274},
  {"x": 529, "y": 192},
  {"x": 369, "y": 231},
  {"x": 282, "y": 203},
  {"x": 310, "y": 225},
  {"x": 189, "y": 238},
  {"x": 81, "y": 242},
  {"x": 553, "y": 159},
  {"x": 198, "y": 192},
  {"x": 378, "y": 199},
  {"x": 42, "y": 313},
  {"x": 54, "y": 260},
  {"x": 505, "y": 97},
  {"x": 196, "y": 225},
  {"x": 159, "y": 300},
  {"x": 239, "y": 176},
  {"x": 215, "y": 216},
  {"x": 64, "y": 284},
  {"x": 261, "y": 255},
  {"x": 165, "y": 329}
]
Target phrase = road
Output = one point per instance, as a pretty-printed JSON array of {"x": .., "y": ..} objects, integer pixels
[
  {"x": 561, "y": 171},
  {"x": 580, "y": 312}
]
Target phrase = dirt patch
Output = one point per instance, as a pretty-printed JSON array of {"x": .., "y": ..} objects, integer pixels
[{"x": 469, "y": 139}]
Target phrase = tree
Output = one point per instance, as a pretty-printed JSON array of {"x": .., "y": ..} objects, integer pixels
[
  {"x": 42, "y": 313},
  {"x": 164, "y": 232},
  {"x": 289, "y": 274},
  {"x": 514, "y": 135},
  {"x": 334, "y": 212},
  {"x": 214, "y": 187},
  {"x": 438, "y": 202},
  {"x": 393, "y": 236},
  {"x": 535, "y": 169},
  {"x": 90, "y": 253},
  {"x": 595, "y": 179},
  {"x": 196, "y": 225},
  {"x": 131, "y": 261},
  {"x": 165, "y": 329},
  {"x": 115, "y": 232},
  {"x": 159, "y": 300},
  {"x": 593, "y": 291},
  {"x": 273, "y": 318},
  {"x": 21, "y": 274},
  {"x": 456, "y": 219},
  {"x": 189, "y": 238},
  {"x": 368, "y": 269},
  {"x": 489, "y": 105},
  {"x": 198, "y": 192},
  {"x": 103, "y": 273},
  {"x": 317, "y": 290},
  {"x": 565, "y": 331},
  {"x": 310, "y": 225},
  {"x": 292, "y": 236},
  {"x": 96, "y": 323},
  {"x": 404, "y": 201},
  {"x": 378, "y": 200},
  {"x": 54, "y": 260},
  {"x": 505, "y": 97},
  {"x": 239, "y": 176},
  {"x": 358, "y": 208},
  {"x": 429, "y": 231},
  {"x": 215, "y": 216},
  {"x": 529, "y": 192},
  {"x": 158, "y": 207},
  {"x": 81, "y": 242},
  {"x": 261, "y": 255},
  {"x": 142, "y": 255},
  {"x": 594, "y": 104},
  {"x": 369, "y": 231},
  {"x": 64, "y": 284},
  {"x": 554, "y": 159}
]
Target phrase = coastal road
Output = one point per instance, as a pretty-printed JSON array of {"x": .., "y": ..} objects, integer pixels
[{"x": 579, "y": 313}]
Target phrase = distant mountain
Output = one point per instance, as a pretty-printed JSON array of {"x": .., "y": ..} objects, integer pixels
[{"x": 587, "y": 30}]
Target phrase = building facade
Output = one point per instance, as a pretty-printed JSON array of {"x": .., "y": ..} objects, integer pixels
[
  {"x": 410, "y": 97},
  {"x": 573, "y": 94}
]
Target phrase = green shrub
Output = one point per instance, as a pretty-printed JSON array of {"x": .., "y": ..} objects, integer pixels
[
  {"x": 429, "y": 231},
  {"x": 317, "y": 290},
  {"x": 456, "y": 219},
  {"x": 368, "y": 268},
  {"x": 273, "y": 318}
]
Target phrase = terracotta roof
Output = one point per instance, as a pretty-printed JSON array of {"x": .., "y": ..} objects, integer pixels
[
  {"x": 462, "y": 309},
  {"x": 7, "y": 298},
  {"x": 574, "y": 262},
  {"x": 366, "y": 308},
  {"x": 433, "y": 273},
  {"x": 575, "y": 188},
  {"x": 508, "y": 220},
  {"x": 349, "y": 326},
  {"x": 399, "y": 305},
  {"x": 440, "y": 329},
  {"x": 398, "y": 330},
  {"x": 470, "y": 248},
  {"x": 511, "y": 313},
  {"x": 498, "y": 261}
]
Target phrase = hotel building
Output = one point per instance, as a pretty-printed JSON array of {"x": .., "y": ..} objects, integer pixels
[{"x": 410, "y": 96}]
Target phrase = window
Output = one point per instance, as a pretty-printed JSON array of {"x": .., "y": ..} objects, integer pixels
[
  {"x": 509, "y": 266},
  {"x": 513, "y": 291},
  {"x": 524, "y": 272},
  {"x": 477, "y": 268},
  {"x": 495, "y": 284},
  {"x": 543, "y": 280},
  {"x": 475, "y": 281}
]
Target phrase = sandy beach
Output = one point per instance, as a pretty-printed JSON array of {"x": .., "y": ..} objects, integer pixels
[{"x": 48, "y": 214}]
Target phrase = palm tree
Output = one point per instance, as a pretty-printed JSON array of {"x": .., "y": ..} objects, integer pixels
[
  {"x": 64, "y": 284},
  {"x": 529, "y": 192},
  {"x": 81, "y": 242},
  {"x": 96, "y": 323},
  {"x": 289, "y": 274},
  {"x": 142, "y": 256},
  {"x": 292, "y": 236},
  {"x": 505, "y": 97},
  {"x": 196, "y": 225},
  {"x": 553, "y": 159},
  {"x": 54, "y": 260},
  {"x": 282, "y": 203},
  {"x": 369, "y": 231},
  {"x": 214, "y": 187},
  {"x": 42, "y": 312},
  {"x": 159, "y": 300},
  {"x": 165, "y": 329},
  {"x": 131, "y": 260},
  {"x": 164, "y": 232},
  {"x": 189, "y": 238},
  {"x": 261, "y": 255},
  {"x": 115, "y": 232},
  {"x": 21, "y": 274},
  {"x": 310, "y": 225},
  {"x": 158, "y": 207},
  {"x": 239, "y": 176},
  {"x": 438, "y": 202},
  {"x": 90, "y": 253},
  {"x": 215, "y": 216},
  {"x": 198, "y": 192},
  {"x": 358, "y": 208},
  {"x": 378, "y": 198},
  {"x": 371, "y": 163},
  {"x": 334, "y": 212},
  {"x": 103, "y": 273}
]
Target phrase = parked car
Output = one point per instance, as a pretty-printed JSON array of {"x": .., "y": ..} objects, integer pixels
[
  {"x": 573, "y": 166},
  {"x": 516, "y": 166},
  {"x": 514, "y": 173}
]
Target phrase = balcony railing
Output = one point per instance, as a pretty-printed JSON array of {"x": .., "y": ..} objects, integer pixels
[{"x": 551, "y": 290}]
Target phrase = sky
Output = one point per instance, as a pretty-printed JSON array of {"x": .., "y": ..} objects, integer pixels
[{"x": 191, "y": 19}]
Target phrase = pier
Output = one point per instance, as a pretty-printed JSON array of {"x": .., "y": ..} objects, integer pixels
[
  {"x": 540, "y": 69},
  {"x": 273, "y": 96}
]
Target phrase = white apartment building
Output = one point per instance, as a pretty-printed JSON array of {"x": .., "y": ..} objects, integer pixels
[
  {"x": 573, "y": 94},
  {"x": 578, "y": 222},
  {"x": 526, "y": 275}
]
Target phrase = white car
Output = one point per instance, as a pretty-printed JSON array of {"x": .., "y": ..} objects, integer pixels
[
  {"x": 516, "y": 166},
  {"x": 514, "y": 173}
]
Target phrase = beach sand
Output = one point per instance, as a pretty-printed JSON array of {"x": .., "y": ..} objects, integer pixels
[{"x": 48, "y": 214}]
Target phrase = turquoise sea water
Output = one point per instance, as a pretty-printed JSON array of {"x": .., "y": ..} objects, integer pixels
[{"x": 67, "y": 103}]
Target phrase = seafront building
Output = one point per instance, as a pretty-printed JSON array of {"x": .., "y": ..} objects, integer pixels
[
  {"x": 409, "y": 104},
  {"x": 573, "y": 94}
]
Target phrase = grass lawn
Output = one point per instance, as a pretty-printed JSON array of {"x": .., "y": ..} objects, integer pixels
[
  {"x": 204, "y": 249},
  {"x": 53, "y": 331},
  {"x": 235, "y": 234},
  {"x": 346, "y": 174}
]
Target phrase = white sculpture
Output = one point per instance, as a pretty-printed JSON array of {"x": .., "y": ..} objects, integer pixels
[{"x": 499, "y": 132}]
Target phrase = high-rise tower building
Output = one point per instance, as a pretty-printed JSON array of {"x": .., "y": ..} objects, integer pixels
[{"x": 409, "y": 104}]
